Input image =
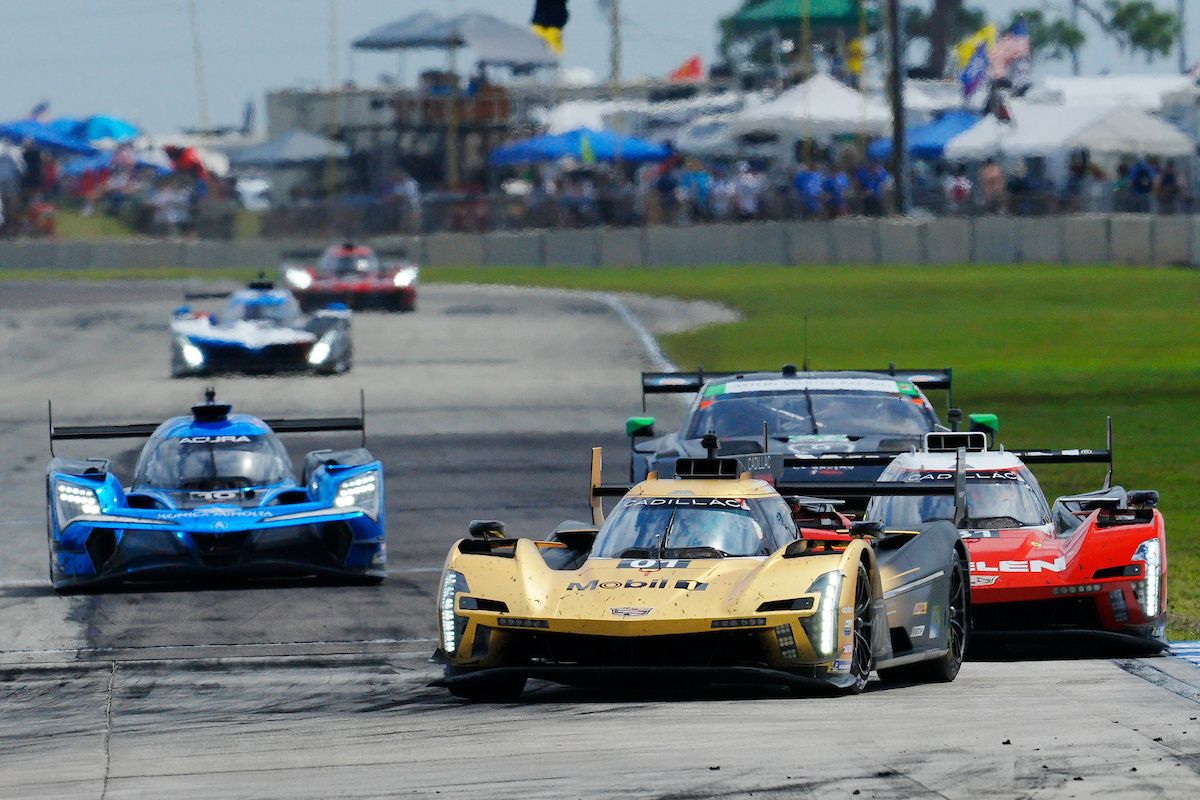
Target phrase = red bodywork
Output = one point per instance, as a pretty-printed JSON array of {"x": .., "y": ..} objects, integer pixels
[
  {"x": 374, "y": 288},
  {"x": 1030, "y": 579}
]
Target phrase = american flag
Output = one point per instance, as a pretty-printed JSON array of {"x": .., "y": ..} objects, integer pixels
[{"x": 1013, "y": 47}]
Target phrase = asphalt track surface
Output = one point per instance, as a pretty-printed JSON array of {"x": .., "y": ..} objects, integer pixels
[{"x": 483, "y": 404}]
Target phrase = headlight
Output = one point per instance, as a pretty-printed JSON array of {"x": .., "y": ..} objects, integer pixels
[
  {"x": 1149, "y": 589},
  {"x": 74, "y": 501},
  {"x": 192, "y": 356},
  {"x": 321, "y": 350},
  {"x": 406, "y": 277},
  {"x": 822, "y": 626},
  {"x": 360, "y": 492},
  {"x": 300, "y": 278},
  {"x": 452, "y": 625}
]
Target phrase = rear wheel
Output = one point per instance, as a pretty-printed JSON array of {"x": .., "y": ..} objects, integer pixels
[
  {"x": 944, "y": 669},
  {"x": 863, "y": 659},
  {"x": 490, "y": 689}
]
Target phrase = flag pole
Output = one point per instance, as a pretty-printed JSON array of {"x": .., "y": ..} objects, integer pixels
[{"x": 899, "y": 130}]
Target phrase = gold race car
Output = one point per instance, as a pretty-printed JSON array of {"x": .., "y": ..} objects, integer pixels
[{"x": 713, "y": 577}]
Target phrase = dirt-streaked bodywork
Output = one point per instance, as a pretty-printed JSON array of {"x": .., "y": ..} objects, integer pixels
[{"x": 548, "y": 609}]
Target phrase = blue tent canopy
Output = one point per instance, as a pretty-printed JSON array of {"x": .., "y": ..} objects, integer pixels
[
  {"x": 43, "y": 135},
  {"x": 583, "y": 145},
  {"x": 103, "y": 160},
  {"x": 928, "y": 141}
]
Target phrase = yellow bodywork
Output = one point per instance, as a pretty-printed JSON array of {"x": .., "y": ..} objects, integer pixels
[{"x": 626, "y": 598}]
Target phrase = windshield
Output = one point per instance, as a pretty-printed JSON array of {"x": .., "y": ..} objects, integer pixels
[
  {"x": 347, "y": 265},
  {"x": 210, "y": 463},
  {"x": 268, "y": 308},
  {"x": 687, "y": 527},
  {"x": 991, "y": 504},
  {"x": 812, "y": 413}
]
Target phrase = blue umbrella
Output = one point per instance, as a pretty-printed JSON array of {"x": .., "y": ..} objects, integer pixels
[
  {"x": 43, "y": 135},
  {"x": 103, "y": 160},
  {"x": 583, "y": 145},
  {"x": 928, "y": 141},
  {"x": 101, "y": 127}
]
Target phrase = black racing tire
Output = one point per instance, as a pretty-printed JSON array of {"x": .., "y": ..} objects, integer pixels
[
  {"x": 491, "y": 689},
  {"x": 862, "y": 661},
  {"x": 944, "y": 669}
]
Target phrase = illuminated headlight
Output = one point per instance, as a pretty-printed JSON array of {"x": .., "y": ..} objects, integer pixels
[
  {"x": 1149, "y": 589},
  {"x": 300, "y": 278},
  {"x": 321, "y": 350},
  {"x": 405, "y": 277},
  {"x": 192, "y": 356},
  {"x": 360, "y": 492},
  {"x": 822, "y": 626},
  {"x": 452, "y": 625},
  {"x": 75, "y": 501}
]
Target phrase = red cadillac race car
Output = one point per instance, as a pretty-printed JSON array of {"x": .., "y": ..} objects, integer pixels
[
  {"x": 1091, "y": 568},
  {"x": 352, "y": 274}
]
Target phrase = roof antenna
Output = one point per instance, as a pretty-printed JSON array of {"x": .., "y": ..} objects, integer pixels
[
  {"x": 766, "y": 438},
  {"x": 210, "y": 395},
  {"x": 711, "y": 443},
  {"x": 806, "y": 364},
  {"x": 50, "y": 424},
  {"x": 1108, "y": 479},
  {"x": 362, "y": 413}
]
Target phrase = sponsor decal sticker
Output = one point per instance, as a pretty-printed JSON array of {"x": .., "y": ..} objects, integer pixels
[
  {"x": 841, "y": 665},
  {"x": 847, "y": 627},
  {"x": 983, "y": 580},
  {"x": 664, "y": 583},
  {"x": 879, "y": 385},
  {"x": 689, "y": 502},
  {"x": 630, "y": 612},
  {"x": 215, "y": 440},
  {"x": 921, "y": 608},
  {"x": 1033, "y": 565},
  {"x": 918, "y": 630}
]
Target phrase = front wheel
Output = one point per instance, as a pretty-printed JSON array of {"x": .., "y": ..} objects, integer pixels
[
  {"x": 490, "y": 689},
  {"x": 863, "y": 660},
  {"x": 944, "y": 669}
]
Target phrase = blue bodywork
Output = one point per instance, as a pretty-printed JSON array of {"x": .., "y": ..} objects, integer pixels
[{"x": 261, "y": 521}]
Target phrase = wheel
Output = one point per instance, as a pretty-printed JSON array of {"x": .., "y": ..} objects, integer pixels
[
  {"x": 492, "y": 689},
  {"x": 944, "y": 669},
  {"x": 862, "y": 662}
]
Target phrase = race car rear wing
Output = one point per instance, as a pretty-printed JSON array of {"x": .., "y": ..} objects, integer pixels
[
  {"x": 857, "y": 490},
  {"x": 692, "y": 382},
  {"x": 144, "y": 430}
]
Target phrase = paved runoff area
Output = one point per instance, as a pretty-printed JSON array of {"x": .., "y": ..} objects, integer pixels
[{"x": 485, "y": 403}]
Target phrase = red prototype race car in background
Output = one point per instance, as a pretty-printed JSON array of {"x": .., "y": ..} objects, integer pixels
[
  {"x": 1093, "y": 566},
  {"x": 352, "y": 274}
]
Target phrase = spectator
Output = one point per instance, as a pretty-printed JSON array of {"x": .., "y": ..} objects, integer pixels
[
  {"x": 696, "y": 184},
  {"x": 958, "y": 189},
  {"x": 748, "y": 189},
  {"x": 836, "y": 186},
  {"x": 406, "y": 193},
  {"x": 809, "y": 186},
  {"x": 1171, "y": 186},
  {"x": 1122, "y": 188},
  {"x": 1142, "y": 180},
  {"x": 991, "y": 183},
  {"x": 722, "y": 195},
  {"x": 873, "y": 181}
]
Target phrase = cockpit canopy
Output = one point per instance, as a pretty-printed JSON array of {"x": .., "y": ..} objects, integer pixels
[
  {"x": 345, "y": 262},
  {"x": 996, "y": 499},
  {"x": 695, "y": 527},
  {"x": 276, "y": 306},
  {"x": 212, "y": 458}
]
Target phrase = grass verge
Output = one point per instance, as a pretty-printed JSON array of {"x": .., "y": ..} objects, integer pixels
[{"x": 1051, "y": 349}]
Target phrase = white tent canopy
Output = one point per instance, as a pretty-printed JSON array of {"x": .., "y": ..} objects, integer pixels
[
  {"x": 819, "y": 108},
  {"x": 1054, "y": 130},
  {"x": 1144, "y": 92}
]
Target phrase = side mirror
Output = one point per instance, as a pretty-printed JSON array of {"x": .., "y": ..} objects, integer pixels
[
  {"x": 640, "y": 427},
  {"x": 985, "y": 423},
  {"x": 955, "y": 417},
  {"x": 486, "y": 529},
  {"x": 867, "y": 528}
]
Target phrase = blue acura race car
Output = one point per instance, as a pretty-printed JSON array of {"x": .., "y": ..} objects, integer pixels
[{"x": 214, "y": 495}]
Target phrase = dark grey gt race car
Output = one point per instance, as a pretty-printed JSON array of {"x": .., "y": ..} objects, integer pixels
[{"x": 794, "y": 413}]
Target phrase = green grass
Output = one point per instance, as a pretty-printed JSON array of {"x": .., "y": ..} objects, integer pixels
[{"x": 1052, "y": 350}]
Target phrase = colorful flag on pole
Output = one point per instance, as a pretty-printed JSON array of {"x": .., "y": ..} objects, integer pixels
[
  {"x": 689, "y": 71},
  {"x": 967, "y": 48},
  {"x": 975, "y": 71},
  {"x": 1012, "y": 56},
  {"x": 549, "y": 19},
  {"x": 856, "y": 56}
]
